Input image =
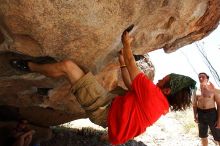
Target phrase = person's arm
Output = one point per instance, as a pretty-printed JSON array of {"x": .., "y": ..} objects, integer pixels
[
  {"x": 124, "y": 72},
  {"x": 194, "y": 103},
  {"x": 217, "y": 100},
  {"x": 128, "y": 56},
  {"x": 24, "y": 139}
]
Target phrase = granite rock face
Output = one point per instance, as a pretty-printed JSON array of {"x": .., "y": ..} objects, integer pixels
[{"x": 89, "y": 34}]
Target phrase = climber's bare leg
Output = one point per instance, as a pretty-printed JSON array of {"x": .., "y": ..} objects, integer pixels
[{"x": 64, "y": 68}]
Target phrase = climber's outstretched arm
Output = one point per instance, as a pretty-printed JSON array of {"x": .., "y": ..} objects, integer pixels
[
  {"x": 124, "y": 71},
  {"x": 128, "y": 55}
]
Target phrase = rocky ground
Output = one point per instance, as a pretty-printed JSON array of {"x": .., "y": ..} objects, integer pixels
[{"x": 174, "y": 129}]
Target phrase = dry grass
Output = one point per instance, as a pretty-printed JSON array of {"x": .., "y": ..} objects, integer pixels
[{"x": 186, "y": 118}]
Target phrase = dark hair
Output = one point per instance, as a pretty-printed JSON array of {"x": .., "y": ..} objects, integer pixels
[
  {"x": 180, "y": 100},
  {"x": 204, "y": 74}
]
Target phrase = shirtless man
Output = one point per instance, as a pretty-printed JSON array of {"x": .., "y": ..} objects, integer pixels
[{"x": 205, "y": 113}]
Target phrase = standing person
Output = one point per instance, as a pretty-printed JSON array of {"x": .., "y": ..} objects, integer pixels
[
  {"x": 128, "y": 115},
  {"x": 205, "y": 112}
]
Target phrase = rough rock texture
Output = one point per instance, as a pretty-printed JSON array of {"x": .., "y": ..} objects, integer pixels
[{"x": 89, "y": 34}]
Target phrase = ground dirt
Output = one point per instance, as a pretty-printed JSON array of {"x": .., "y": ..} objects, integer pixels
[{"x": 81, "y": 137}]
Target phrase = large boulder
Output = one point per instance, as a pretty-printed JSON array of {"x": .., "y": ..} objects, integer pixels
[{"x": 88, "y": 32}]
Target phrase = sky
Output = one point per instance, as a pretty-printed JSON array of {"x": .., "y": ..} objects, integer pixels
[{"x": 188, "y": 60}]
